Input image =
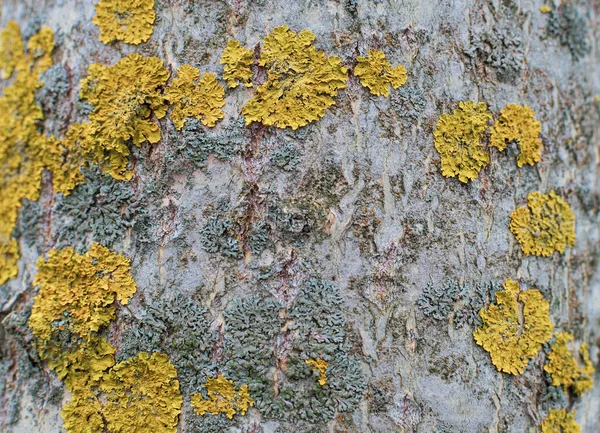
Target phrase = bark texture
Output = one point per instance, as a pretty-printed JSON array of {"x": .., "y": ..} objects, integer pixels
[{"x": 255, "y": 249}]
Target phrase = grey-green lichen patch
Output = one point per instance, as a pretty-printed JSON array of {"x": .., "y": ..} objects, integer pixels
[
  {"x": 29, "y": 226},
  {"x": 500, "y": 49},
  {"x": 100, "y": 210},
  {"x": 571, "y": 29},
  {"x": 437, "y": 300},
  {"x": 409, "y": 102},
  {"x": 286, "y": 157}
]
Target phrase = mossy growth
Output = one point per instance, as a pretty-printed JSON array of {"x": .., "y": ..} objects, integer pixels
[
  {"x": 458, "y": 139},
  {"x": 377, "y": 74},
  {"x": 222, "y": 397},
  {"x": 517, "y": 123},
  {"x": 560, "y": 421},
  {"x": 564, "y": 369},
  {"x": 124, "y": 96},
  {"x": 237, "y": 62},
  {"x": 302, "y": 81},
  {"x": 130, "y": 21},
  {"x": 194, "y": 96},
  {"x": 514, "y": 328},
  {"x": 545, "y": 225},
  {"x": 101, "y": 209}
]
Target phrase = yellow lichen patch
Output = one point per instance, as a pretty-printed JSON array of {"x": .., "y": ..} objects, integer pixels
[
  {"x": 377, "y": 74},
  {"x": 222, "y": 398},
  {"x": 142, "y": 394},
  {"x": 41, "y": 46},
  {"x": 564, "y": 369},
  {"x": 545, "y": 225},
  {"x": 124, "y": 97},
  {"x": 81, "y": 367},
  {"x": 517, "y": 123},
  {"x": 9, "y": 255},
  {"x": 236, "y": 61},
  {"x": 515, "y": 328},
  {"x": 83, "y": 285},
  {"x": 545, "y": 9},
  {"x": 195, "y": 96},
  {"x": 302, "y": 81},
  {"x": 12, "y": 50},
  {"x": 65, "y": 160},
  {"x": 457, "y": 138},
  {"x": 83, "y": 414},
  {"x": 319, "y": 365},
  {"x": 130, "y": 21},
  {"x": 560, "y": 421}
]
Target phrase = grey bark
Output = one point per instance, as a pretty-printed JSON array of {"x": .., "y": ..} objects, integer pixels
[{"x": 356, "y": 198}]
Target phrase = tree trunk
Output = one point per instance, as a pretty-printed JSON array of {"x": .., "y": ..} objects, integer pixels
[{"x": 325, "y": 259}]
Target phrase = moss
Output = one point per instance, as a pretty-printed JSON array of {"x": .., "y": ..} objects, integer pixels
[
  {"x": 545, "y": 225},
  {"x": 437, "y": 301},
  {"x": 515, "y": 328},
  {"x": 222, "y": 397},
  {"x": 141, "y": 392},
  {"x": 571, "y": 29},
  {"x": 237, "y": 61},
  {"x": 101, "y": 210},
  {"x": 194, "y": 96},
  {"x": 458, "y": 139},
  {"x": 409, "y": 103},
  {"x": 563, "y": 368},
  {"x": 560, "y": 421},
  {"x": 377, "y": 74},
  {"x": 130, "y": 21},
  {"x": 124, "y": 96},
  {"x": 85, "y": 286},
  {"x": 517, "y": 123},
  {"x": 302, "y": 81}
]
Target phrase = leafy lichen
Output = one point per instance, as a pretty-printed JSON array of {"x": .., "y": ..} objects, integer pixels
[
  {"x": 302, "y": 81},
  {"x": 142, "y": 394},
  {"x": 377, "y": 74},
  {"x": 84, "y": 285},
  {"x": 195, "y": 96},
  {"x": 545, "y": 225},
  {"x": 560, "y": 421},
  {"x": 9, "y": 255},
  {"x": 222, "y": 397},
  {"x": 237, "y": 61},
  {"x": 409, "y": 102},
  {"x": 320, "y": 366},
  {"x": 517, "y": 123},
  {"x": 130, "y": 21},
  {"x": 124, "y": 96},
  {"x": 515, "y": 328},
  {"x": 571, "y": 29},
  {"x": 12, "y": 50},
  {"x": 437, "y": 301},
  {"x": 457, "y": 138},
  {"x": 563, "y": 368}
]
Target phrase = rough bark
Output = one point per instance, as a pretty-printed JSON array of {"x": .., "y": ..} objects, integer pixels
[{"x": 356, "y": 198}]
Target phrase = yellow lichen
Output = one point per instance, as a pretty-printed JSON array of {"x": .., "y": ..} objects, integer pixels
[
  {"x": 545, "y": 9},
  {"x": 517, "y": 123},
  {"x": 319, "y": 365},
  {"x": 9, "y": 255},
  {"x": 64, "y": 158},
  {"x": 130, "y": 21},
  {"x": 83, "y": 414},
  {"x": 83, "y": 285},
  {"x": 560, "y": 421},
  {"x": 515, "y": 328},
  {"x": 564, "y": 369},
  {"x": 22, "y": 145},
  {"x": 377, "y": 74},
  {"x": 124, "y": 97},
  {"x": 236, "y": 61},
  {"x": 302, "y": 81},
  {"x": 222, "y": 398},
  {"x": 457, "y": 138},
  {"x": 545, "y": 225},
  {"x": 142, "y": 394},
  {"x": 195, "y": 96},
  {"x": 12, "y": 50}
]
